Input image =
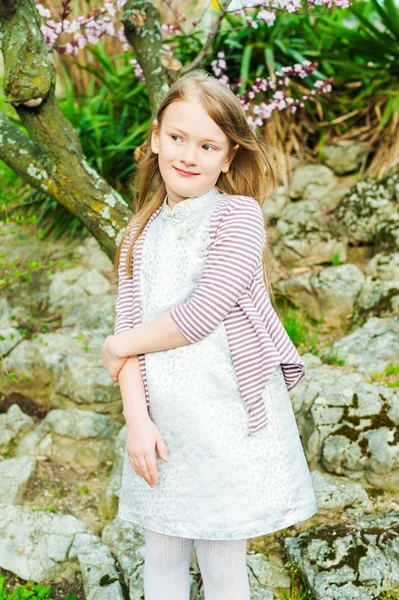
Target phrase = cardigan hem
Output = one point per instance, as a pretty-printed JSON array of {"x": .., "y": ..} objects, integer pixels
[{"x": 259, "y": 529}]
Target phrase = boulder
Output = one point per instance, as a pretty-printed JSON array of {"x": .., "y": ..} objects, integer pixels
[
  {"x": 344, "y": 157},
  {"x": 349, "y": 426},
  {"x": 329, "y": 295},
  {"x": 311, "y": 182},
  {"x": 42, "y": 546},
  {"x": 369, "y": 348},
  {"x": 76, "y": 437},
  {"x": 354, "y": 560},
  {"x": 61, "y": 370},
  {"x": 13, "y": 425},
  {"x": 384, "y": 266},
  {"x": 365, "y": 208},
  {"x": 307, "y": 244},
  {"x": 15, "y": 474}
]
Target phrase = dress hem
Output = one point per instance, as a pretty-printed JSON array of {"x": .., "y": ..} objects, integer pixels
[{"x": 288, "y": 520}]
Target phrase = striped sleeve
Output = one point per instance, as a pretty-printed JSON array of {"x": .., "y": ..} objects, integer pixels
[
  {"x": 232, "y": 261},
  {"x": 124, "y": 317}
]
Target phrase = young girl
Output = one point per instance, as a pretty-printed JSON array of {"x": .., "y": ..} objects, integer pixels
[{"x": 213, "y": 453}]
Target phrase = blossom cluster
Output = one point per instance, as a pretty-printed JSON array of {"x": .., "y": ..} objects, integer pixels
[
  {"x": 280, "y": 99},
  {"x": 84, "y": 30},
  {"x": 264, "y": 11}
]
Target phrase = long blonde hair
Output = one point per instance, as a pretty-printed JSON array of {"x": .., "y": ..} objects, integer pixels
[{"x": 251, "y": 171}]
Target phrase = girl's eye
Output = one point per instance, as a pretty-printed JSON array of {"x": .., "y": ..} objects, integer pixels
[{"x": 174, "y": 135}]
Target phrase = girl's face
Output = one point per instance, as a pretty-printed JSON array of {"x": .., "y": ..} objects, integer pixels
[{"x": 192, "y": 149}]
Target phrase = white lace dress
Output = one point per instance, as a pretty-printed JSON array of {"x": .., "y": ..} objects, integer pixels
[{"x": 219, "y": 483}]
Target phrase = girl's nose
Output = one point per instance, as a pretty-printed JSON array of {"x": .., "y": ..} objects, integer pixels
[{"x": 190, "y": 156}]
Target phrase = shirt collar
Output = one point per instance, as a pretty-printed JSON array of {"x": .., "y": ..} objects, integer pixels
[{"x": 185, "y": 206}]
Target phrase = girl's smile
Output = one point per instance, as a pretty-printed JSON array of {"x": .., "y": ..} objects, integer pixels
[{"x": 185, "y": 173}]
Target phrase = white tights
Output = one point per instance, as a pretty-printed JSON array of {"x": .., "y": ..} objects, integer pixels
[{"x": 167, "y": 567}]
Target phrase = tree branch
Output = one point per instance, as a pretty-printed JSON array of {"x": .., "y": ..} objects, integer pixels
[
  {"x": 20, "y": 153},
  {"x": 205, "y": 49},
  {"x": 142, "y": 23}
]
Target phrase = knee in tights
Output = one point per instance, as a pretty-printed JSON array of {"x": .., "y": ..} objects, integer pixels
[
  {"x": 224, "y": 569},
  {"x": 167, "y": 566}
]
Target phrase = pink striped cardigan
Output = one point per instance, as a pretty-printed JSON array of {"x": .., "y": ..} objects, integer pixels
[{"x": 231, "y": 288}]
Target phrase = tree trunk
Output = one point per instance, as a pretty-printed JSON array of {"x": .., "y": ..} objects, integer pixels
[{"x": 51, "y": 158}]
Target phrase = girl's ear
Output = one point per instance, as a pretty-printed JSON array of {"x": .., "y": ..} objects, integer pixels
[
  {"x": 230, "y": 159},
  {"x": 155, "y": 137}
]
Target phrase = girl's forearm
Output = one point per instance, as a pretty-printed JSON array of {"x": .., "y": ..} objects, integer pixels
[
  {"x": 132, "y": 390},
  {"x": 159, "y": 334}
]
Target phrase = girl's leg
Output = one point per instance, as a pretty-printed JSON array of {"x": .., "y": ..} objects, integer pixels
[
  {"x": 167, "y": 566},
  {"x": 223, "y": 565}
]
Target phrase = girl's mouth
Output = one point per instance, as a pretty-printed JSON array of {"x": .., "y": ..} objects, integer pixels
[{"x": 185, "y": 173}]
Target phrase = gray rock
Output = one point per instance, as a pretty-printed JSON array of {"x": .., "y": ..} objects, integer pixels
[
  {"x": 98, "y": 314},
  {"x": 126, "y": 541},
  {"x": 367, "y": 206},
  {"x": 329, "y": 295},
  {"x": 90, "y": 255},
  {"x": 64, "y": 372},
  {"x": 13, "y": 425},
  {"x": 10, "y": 338},
  {"x": 43, "y": 546},
  {"x": 306, "y": 244},
  {"x": 5, "y": 312},
  {"x": 384, "y": 266},
  {"x": 76, "y": 437},
  {"x": 371, "y": 347},
  {"x": 77, "y": 282},
  {"x": 344, "y": 157},
  {"x": 336, "y": 494},
  {"x": 311, "y": 181},
  {"x": 303, "y": 211},
  {"x": 378, "y": 298},
  {"x": 15, "y": 474},
  {"x": 349, "y": 426},
  {"x": 265, "y": 576},
  {"x": 109, "y": 501},
  {"x": 276, "y": 203},
  {"x": 358, "y": 559}
]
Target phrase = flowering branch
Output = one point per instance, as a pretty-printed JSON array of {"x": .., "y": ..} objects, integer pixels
[
  {"x": 280, "y": 99},
  {"x": 205, "y": 49}
]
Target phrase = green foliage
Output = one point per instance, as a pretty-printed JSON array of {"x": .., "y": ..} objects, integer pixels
[
  {"x": 392, "y": 369},
  {"x": 333, "y": 358},
  {"x": 112, "y": 118},
  {"x": 30, "y": 590},
  {"x": 299, "y": 589},
  {"x": 302, "y": 331}
]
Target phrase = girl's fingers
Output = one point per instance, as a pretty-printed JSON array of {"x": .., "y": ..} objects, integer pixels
[
  {"x": 147, "y": 469},
  {"x": 136, "y": 466}
]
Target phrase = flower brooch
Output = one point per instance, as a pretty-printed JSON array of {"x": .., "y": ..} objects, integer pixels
[{"x": 205, "y": 243}]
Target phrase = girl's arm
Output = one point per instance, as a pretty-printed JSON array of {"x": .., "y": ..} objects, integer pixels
[
  {"x": 132, "y": 390},
  {"x": 233, "y": 259}
]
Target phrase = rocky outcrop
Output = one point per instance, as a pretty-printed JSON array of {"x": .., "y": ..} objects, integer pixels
[
  {"x": 76, "y": 437},
  {"x": 349, "y": 426},
  {"x": 329, "y": 295},
  {"x": 41, "y": 546},
  {"x": 370, "y": 348},
  {"x": 354, "y": 560}
]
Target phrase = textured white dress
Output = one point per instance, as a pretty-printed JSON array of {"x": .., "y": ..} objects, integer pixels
[{"x": 219, "y": 483}]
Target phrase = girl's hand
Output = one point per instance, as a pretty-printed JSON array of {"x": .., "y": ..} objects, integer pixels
[
  {"x": 109, "y": 357},
  {"x": 143, "y": 437}
]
